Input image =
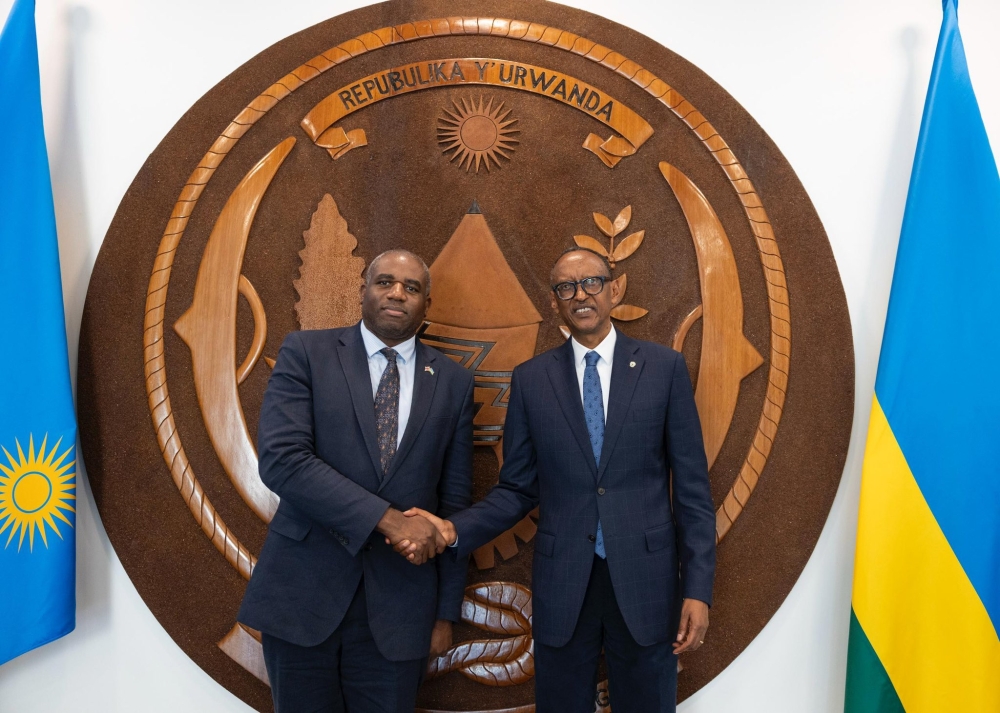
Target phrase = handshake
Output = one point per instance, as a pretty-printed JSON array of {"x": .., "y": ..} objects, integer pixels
[{"x": 416, "y": 534}]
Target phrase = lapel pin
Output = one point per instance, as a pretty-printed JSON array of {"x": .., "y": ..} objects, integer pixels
[
  {"x": 632, "y": 364},
  {"x": 430, "y": 369}
]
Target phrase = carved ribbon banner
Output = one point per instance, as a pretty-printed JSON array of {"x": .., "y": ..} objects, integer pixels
[{"x": 413, "y": 77}]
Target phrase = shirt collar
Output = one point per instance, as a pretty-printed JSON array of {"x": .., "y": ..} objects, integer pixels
[
  {"x": 373, "y": 345},
  {"x": 606, "y": 349}
]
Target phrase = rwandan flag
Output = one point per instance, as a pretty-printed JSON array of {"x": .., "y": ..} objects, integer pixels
[
  {"x": 926, "y": 602},
  {"x": 37, "y": 424}
]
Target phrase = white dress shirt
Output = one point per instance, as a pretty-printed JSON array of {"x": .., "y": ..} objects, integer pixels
[
  {"x": 406, "y": 362},
  {"x": 606, "y": 352}
]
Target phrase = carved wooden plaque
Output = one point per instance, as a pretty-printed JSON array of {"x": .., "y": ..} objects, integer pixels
[{"x": 487, "y": 137}]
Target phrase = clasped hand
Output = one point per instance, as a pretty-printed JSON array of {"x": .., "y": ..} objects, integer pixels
[{"x": 416, "y": 534}]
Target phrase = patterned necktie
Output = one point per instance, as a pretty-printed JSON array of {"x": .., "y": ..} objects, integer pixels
[
  {"x": 593, "y": 409},
  {"x": 387, "y": 410}
]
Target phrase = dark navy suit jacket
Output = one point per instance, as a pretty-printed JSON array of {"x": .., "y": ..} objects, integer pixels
[
  {"x": 660, "y": 541},
  {"x": 319, "y": 453}
]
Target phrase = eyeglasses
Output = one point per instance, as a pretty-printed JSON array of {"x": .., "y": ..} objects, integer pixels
[{"x": 590, "y": 285}]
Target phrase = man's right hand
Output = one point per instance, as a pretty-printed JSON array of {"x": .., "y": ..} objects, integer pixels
[
  {"x": 413, "y": 537},
  {"x": 445, "y": 529}
]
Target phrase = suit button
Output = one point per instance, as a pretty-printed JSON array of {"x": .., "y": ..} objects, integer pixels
[
  {"x": 592, "y": 538},
  {"x": 368, "y": 547},
  {"x": 600, "y": 491}
]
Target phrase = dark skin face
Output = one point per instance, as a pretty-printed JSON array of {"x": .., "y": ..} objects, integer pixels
[
  {"x": 395, "y": 301},
  {"x": 588, "y": 317}
]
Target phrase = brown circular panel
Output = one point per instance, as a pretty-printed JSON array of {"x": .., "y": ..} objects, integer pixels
[
  {"x": 487, "y": 143},
  {"x": 479, "y": 133}
]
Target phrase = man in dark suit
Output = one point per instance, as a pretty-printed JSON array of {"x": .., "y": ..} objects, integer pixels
[
  {"x": 357, "y": 425},
  {"x": 625, "y": 553}
]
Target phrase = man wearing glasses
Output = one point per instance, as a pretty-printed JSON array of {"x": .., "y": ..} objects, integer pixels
[{"x": 603, "y": 434}]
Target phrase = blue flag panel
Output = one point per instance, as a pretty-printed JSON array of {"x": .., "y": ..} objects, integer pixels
[
  {"x": 37, "y": 422},
  {"x": 938, "y": 377}
]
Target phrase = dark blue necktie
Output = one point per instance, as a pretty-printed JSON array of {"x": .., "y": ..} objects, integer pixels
[{"x": 593, "y": 409}]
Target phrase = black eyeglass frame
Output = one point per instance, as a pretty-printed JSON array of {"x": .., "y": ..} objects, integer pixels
[{"x": 601, "y": 280}]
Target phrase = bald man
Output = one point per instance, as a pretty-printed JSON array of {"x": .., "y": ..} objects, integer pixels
[{"x": 357, "y": 425}]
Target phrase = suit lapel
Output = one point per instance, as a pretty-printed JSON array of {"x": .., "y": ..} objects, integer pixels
[
  {"x": 423, "y": 394},
  {"x": 562, "y": 374},
  {"x": 624, "y": 375},
  {"x": 354, "y": 361}
]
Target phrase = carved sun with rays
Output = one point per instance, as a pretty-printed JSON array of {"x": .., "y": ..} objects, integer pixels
[{"x": 477, "y": 134}]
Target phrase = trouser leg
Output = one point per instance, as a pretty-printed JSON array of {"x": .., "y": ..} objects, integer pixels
[
  {"x": 566, "y": 676},
  {"x": 641, "y": 679},
  {"x": 345, "y": 674},
  {"x": 370, "y": 682},
  {"x": 304, "y": 679}
]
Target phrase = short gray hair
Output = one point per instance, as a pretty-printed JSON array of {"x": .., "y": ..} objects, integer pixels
[{"x": 370, "y": 270}]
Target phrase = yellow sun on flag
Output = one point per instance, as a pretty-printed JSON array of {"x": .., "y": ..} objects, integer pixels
[{"x": 34, "y": 492}]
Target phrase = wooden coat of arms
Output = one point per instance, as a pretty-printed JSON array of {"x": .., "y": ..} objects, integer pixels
[{"x": 486, "y": 137}]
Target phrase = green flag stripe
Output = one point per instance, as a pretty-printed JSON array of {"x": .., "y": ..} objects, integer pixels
[{"x": 869, "y": 689}]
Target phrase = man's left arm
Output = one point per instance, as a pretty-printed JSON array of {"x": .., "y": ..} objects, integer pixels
[
  {"x": 454, "y": 495},
  {"x": 694, "y": 513}
]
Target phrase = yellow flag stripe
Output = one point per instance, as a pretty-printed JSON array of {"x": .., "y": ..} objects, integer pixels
[{"x": 911, "y": 596}]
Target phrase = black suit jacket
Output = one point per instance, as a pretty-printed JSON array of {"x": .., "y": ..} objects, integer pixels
[
  {"x": 659, "y": 534},
  {"x": 319, "y": 453}
]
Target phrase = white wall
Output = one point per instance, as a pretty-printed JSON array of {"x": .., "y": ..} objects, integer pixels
[{"x": 838, "y": 85}]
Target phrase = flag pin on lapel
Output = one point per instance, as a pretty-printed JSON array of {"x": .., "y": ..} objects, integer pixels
[{"x": 429, "y": 370}]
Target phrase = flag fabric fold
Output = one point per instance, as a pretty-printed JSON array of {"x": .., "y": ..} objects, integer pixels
[
  {"x": 37, "y": 421},
  {"x": 926, "y": 597}
]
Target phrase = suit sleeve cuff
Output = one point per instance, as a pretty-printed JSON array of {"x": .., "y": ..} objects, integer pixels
[
  {"x": 702, "y": 594},
  {"x": 457, "y": 520},
  {"x": 452, "y": 614},
  {"x": 367, "y": 522},
  {"x": 450, "y": 607}
]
